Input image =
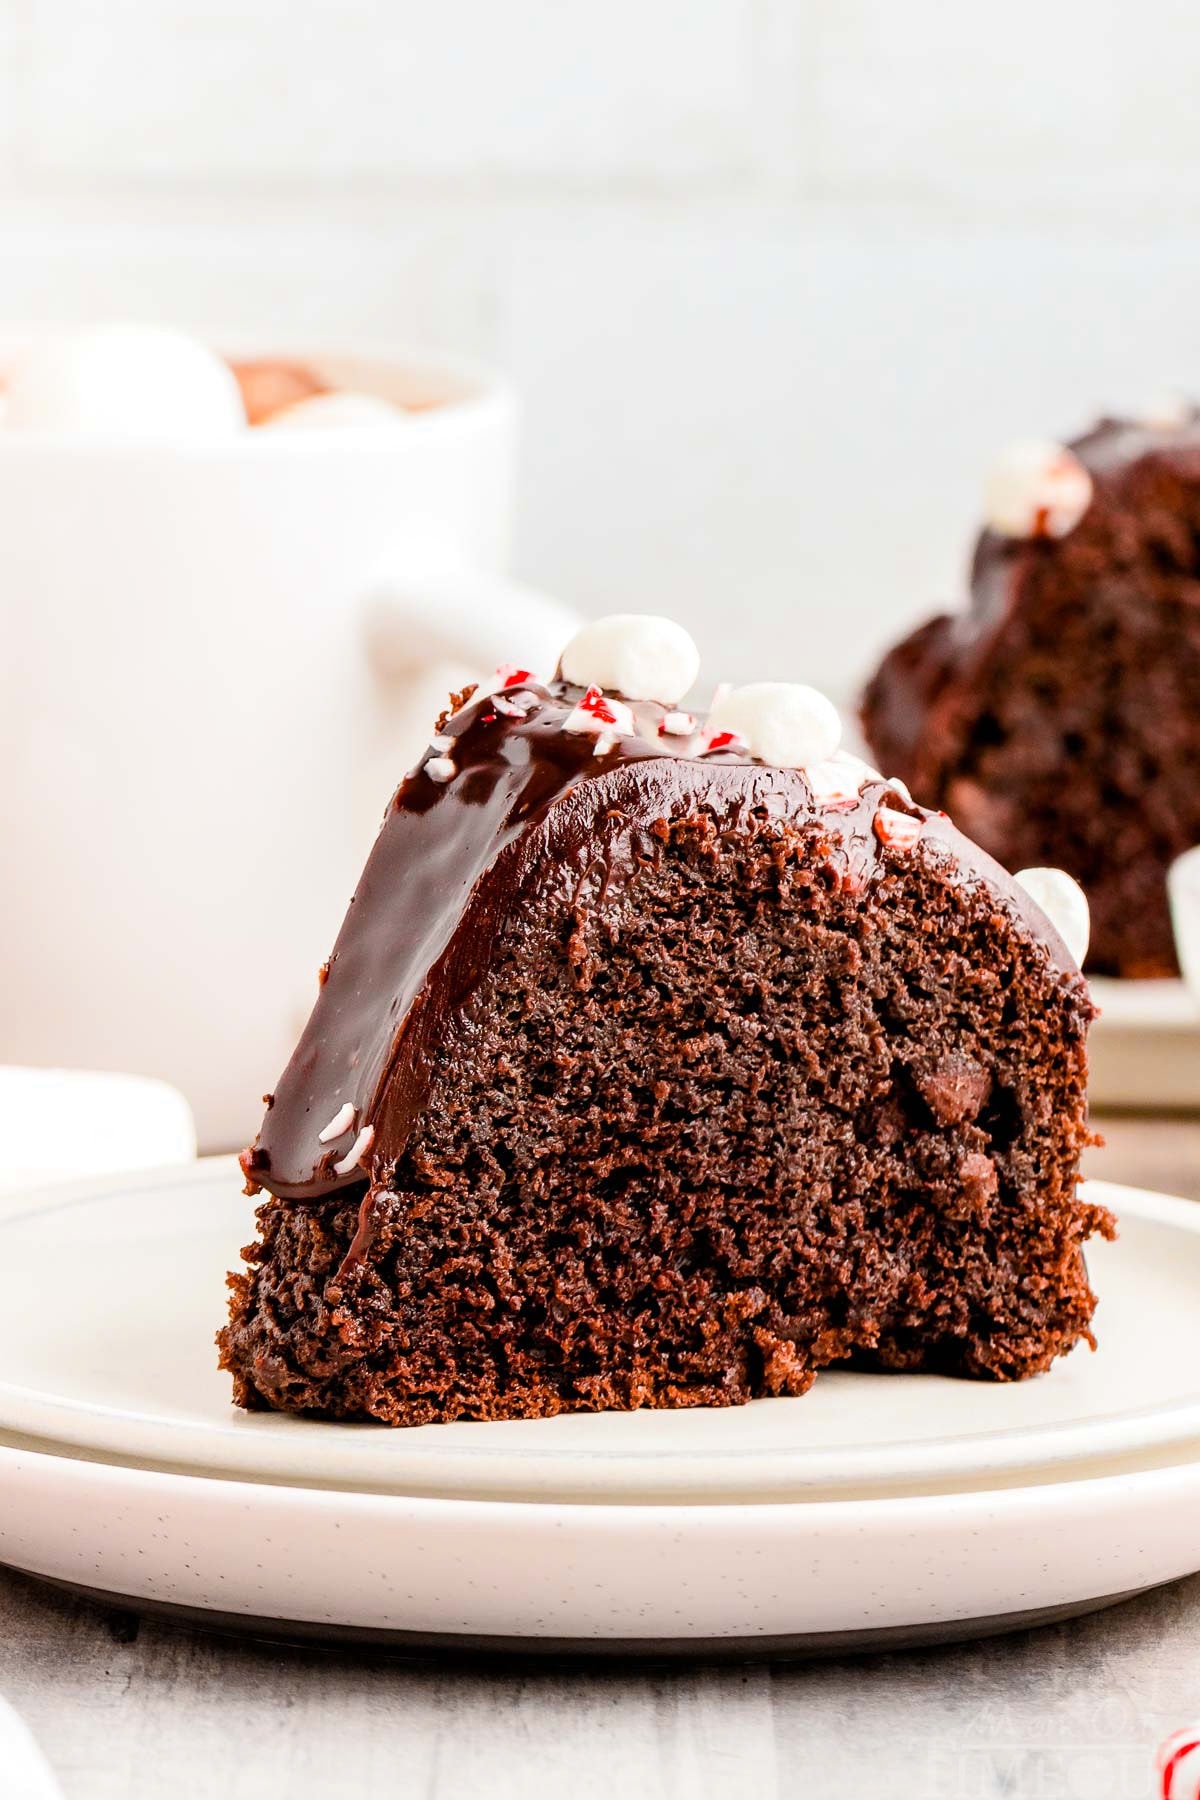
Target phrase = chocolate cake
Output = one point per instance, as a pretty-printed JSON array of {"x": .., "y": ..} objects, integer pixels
[
  {"x": 1058, "y": 717},
  {"x": 665, "y": 1061}
]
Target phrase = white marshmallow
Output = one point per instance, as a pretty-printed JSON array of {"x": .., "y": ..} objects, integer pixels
[
  {"x": 1064, "y": 903},
  {"x": 1166, "y": 412},
  {"x": 783, "y": 722},
  {"x": 127, "y": 383},
  {"x": 337, "y": 412},
  {"x": 637, "y": 655},
  {"x": 1037, "y": 489}
]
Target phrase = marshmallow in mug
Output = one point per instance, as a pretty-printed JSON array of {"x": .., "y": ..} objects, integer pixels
[
  {"x": 1037, "y": 489},
  {"x": 340, "y": 411},
  {"x": 128, "y": 383},
  {"x": 1064, "y": 903}
]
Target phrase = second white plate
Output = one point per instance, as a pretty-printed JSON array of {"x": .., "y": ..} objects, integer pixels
[
  {"x": 1144, "y": 1049},
  {"x": 110, "y": 1293}
]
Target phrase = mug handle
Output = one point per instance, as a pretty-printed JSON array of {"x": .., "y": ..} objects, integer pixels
[{"x": 468, "y": 617}]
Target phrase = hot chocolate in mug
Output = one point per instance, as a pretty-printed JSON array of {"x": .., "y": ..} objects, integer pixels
[{"x": 219, "y": 658}]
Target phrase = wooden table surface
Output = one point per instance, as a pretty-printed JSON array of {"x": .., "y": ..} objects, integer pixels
[{"x": 136, "y": 1711}]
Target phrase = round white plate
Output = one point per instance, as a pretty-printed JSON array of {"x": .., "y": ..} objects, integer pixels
[
  {"x": 798, "y": 1577},
  {"x": 1144, "y": 1049},
  {"x": 111, "y": 1292},
  {"x": 1146, "y": 1005}
]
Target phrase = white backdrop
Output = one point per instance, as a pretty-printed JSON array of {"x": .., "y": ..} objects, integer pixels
[{"x": 775, "y": 277}]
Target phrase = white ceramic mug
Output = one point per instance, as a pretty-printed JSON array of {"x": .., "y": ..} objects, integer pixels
[{"x": 216, "y": 663}]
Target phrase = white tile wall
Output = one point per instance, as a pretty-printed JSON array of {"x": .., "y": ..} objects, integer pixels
[
  {"x": 775, "y": 275},
  {"x": 1021, "y": 106},
  {"x": 554, "y": 88}
]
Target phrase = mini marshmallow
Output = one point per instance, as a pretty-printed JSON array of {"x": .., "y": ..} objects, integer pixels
[
  {"x": 1037, "y": 489},
  {"x": 1166, "y": 412},
  {"x": 343, "y": 411},
  {"x": 341, "y": 1122},
  {"x": 1064, "y": 903},
  {"x": 600, "y": 716},
  {"x": 127, "y": 383},
  {"x": 440, "y": 769},
  {"x": 637, "y": 655},
  {"x": 783, "y": 722}
]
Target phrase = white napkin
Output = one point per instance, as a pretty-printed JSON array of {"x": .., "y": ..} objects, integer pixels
[
  {"x": 60, "y": 1123},
  {"x": 24, "y": 1772}
]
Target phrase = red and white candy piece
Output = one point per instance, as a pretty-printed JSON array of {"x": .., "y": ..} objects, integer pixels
[
  {"x": 1177, "y": 1765},
  {"x": 1064, "y": 903},
  {"x": 510, "y": 676},
  {"x": 639, "y": 655},
  {"x": 512, "y": 709},
  {"x": 723, "y": 740},
  {"x": 341, "y": 1122},
  {"x": 783, "y": 723},
  {"x": 356, "y": 1152},
  {"x": 1036, "y": 489},
  {"x": 840, "y": 779},
  {"x": 600, "y": 716},
  {"x": 897, "y": 830}
]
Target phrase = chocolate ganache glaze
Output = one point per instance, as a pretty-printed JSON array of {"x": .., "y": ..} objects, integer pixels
[{"x": 452, "y": 855}]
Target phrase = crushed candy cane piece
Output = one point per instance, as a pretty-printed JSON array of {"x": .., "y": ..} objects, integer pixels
[
  {"x": 677, "y": 724},
  {"x": 1177, "y": 1764},
  {"x": 356, "y": 1152},
  {"x": 339, "y": 1125},
  {"x": 440, "y": 768},
  {"x": 508, "y": 675},
  {"x": 724, "y": 740},
  {"x": 512, "y": 709},
  {"x": 598, "y": 714},
  {"x": 440, "y": 744},
  {"x": 838, "y": 780},
  {"x": 896, "y": 829}
]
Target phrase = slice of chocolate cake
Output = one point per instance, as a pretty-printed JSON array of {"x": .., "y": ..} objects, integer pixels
[
  {"x": 1058, "y": 717},
  {"x": 663, "y": 1062}
]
